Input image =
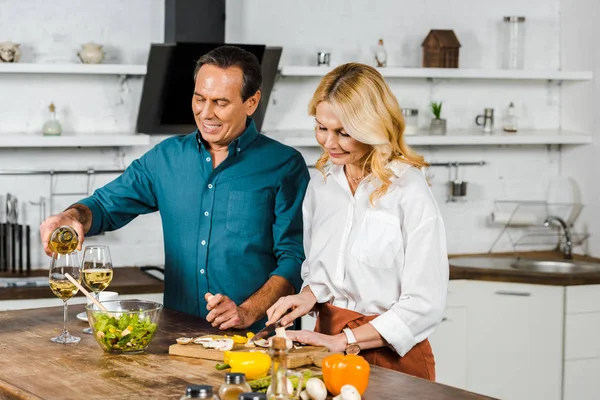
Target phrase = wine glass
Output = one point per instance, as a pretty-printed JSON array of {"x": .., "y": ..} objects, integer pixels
[
  {"x": 97, "y": 271},
  {"x": 63, "y": 288}
]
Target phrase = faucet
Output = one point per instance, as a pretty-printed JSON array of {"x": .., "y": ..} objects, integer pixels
[{"x": 568, "y": 246}]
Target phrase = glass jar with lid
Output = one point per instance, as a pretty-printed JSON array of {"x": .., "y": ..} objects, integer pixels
[
  {"x": 411, "y": 121},
  {"x": 253, "y": 396},
  {"x": 235, "y": 384},
  {"x": 199, "y": 392},
  {"x": 513, "y": 56}
]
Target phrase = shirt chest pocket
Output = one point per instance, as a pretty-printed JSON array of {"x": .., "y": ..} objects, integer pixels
[
  {"x": 379, "y": 240},
  {"x": 248, "y": 213}
]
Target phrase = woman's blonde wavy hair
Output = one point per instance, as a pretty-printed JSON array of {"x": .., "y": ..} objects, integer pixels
[{"x": 370, "y": 113}]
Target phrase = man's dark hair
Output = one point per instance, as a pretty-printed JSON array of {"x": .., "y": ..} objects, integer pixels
[{"x": 232, "y": 56}]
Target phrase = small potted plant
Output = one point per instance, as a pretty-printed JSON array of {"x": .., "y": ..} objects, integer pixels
[{"x": 438, "y": 125}]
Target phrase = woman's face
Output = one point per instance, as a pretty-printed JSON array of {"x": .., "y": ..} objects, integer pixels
[{"x": 341, "y": 147}]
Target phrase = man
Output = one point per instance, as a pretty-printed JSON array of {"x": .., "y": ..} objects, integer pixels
[{"x": 230, "y": 201}]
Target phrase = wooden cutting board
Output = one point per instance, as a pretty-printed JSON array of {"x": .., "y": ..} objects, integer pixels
[{"x": 297, "y": 357}]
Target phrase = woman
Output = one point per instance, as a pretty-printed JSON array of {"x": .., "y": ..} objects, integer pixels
[{"x": 376, "y": 266}]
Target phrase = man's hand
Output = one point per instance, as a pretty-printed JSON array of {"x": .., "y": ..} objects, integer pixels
[
  {"x": 224, "y": 313},
  {"x": 68, "y": 217}
]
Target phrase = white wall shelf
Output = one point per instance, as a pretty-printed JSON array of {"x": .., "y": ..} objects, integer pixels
[
  {"x": 306, "y": 138},
  {"x": 71, "y": 140},
  {"x": 451, "y": 73},
  {"x": 89, "y": 69}
]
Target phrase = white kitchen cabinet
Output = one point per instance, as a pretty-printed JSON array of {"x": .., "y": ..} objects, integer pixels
[
  {"x": 515, "y": 339},
  {"x": 582, "y": 379},
  {"x": 449, "y": 345},
  {"x": 582, "y": 343}
]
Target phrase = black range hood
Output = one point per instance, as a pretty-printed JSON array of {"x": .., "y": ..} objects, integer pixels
[
  {"x": 166, "y": 104},
  {"x": 192, "y": 29}
]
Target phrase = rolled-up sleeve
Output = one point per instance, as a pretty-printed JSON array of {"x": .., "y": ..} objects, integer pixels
[
  {"x": 287, "y": 226},
  {"x": 419, "y": 310},
  {"x": 120, "y": 201}
]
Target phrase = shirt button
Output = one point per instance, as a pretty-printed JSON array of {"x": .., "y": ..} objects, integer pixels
[
  {"x": 210, "y": 186},
  {"x": 201, "y": 271},
  {"x": 239, "y": 149},
  {"x": 207, "y": 158},
  {"x": 203, "y": 243},
  {"x": 206, "y": 213}
]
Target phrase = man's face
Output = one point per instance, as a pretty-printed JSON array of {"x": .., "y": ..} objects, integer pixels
[{"x": 217, "y": 104}]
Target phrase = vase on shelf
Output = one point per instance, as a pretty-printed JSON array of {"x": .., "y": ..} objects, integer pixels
[
  {"x": 52, "y": 127},
  {"x": 91, "y": 53},
  {"x": 10, "y": 52},
  {"x": 437, "y": 127}
]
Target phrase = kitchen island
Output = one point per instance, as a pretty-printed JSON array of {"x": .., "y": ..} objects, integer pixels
[{"x": 32, "y": 367}]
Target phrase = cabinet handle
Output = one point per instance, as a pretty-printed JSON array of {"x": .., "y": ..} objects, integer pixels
[{"x": 512, "y": 293}]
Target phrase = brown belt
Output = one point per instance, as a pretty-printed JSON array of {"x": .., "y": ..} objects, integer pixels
[{"x": 418, "y": 361}]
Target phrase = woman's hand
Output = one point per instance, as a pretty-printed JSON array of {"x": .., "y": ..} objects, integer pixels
[
  {"x": 334, "y": 343},
  {"x": 300, "y": 304}
]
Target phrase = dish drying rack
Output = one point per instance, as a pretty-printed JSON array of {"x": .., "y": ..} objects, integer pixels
[{"x": 523, "y": 224}]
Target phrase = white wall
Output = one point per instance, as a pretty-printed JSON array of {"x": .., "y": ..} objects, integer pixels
[
  {"x": 349, "y": 30},
  {"x": 52, "y": 32}
]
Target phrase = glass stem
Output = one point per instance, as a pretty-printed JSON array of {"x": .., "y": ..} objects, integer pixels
[{"x": 65, "y": 331}]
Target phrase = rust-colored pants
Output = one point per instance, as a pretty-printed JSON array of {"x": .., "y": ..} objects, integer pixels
[{"x": 417, "y": 362}]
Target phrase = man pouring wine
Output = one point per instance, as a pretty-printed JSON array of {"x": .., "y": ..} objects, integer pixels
[{"x": 229, "y": 198}]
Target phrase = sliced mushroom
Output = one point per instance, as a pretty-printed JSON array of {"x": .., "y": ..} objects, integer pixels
[{"x": 184, "y": 340}]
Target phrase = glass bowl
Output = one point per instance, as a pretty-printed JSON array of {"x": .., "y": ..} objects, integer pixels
[{"x": 127, "y": 328}]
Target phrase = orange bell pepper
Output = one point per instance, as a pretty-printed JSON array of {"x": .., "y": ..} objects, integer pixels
[{"x": 340, "y": 370}]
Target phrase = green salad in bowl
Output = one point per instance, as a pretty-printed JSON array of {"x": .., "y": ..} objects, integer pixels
[{"x": 127, "y": 327}]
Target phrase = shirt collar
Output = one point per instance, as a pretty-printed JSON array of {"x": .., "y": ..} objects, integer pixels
[
  {"x": 240, "y": 144},
  {"x": 396, "y": 166}
]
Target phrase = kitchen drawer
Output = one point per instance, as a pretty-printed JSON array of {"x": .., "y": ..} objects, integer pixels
[
  {"x": 449, "y": 345},
  {"x": 584, "y": 298},
  {"x": 581, "y": 336},
  {"x": 458, "y": 293},
  {"x": 581, "y": 379}
]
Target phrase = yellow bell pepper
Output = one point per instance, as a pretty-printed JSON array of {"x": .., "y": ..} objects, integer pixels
[
  {"x": 340, "y": 370},
  {"x": 239, "y": 339},
  {"x": 254, "y": 364}
]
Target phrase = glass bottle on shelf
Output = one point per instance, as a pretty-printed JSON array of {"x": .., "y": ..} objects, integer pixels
[
  {"x": 52, "y": 126},
  {"x": 513, "y": 56},
  {"x": 381, "y": 54},
  {"x": 510, "y": 119}
]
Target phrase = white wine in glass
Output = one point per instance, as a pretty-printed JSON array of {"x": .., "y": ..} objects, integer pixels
[
  {"x": 63, "y": 288},
  {"x": 97, "y": 271}
]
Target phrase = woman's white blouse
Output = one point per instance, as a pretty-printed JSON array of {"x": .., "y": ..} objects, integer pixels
[{"x": 390, "y": 259}]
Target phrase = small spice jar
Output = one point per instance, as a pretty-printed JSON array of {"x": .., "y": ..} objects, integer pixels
[
  {"x": 253, "y": 396},
  {"x": 198, "y": 392},
  {"x": 411, "y": 121},
  {"x": 235, "y": 384}
]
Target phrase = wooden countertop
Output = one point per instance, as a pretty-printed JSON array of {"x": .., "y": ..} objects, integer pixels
[
  {"x": 126, "y": 280},
  {"x": 40, "y": 369},
  {"x": 520, "y": 276}
]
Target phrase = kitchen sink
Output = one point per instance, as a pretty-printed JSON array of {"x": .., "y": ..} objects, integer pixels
[
  {"x": 529, "y": 265},
  {"x": 565, "y": 266}
]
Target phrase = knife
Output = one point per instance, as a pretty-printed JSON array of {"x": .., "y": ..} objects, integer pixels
[{"x": 266, "y": 331}]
